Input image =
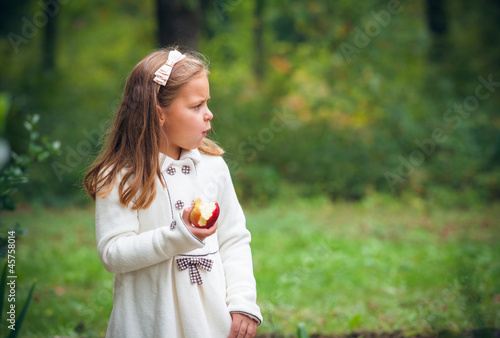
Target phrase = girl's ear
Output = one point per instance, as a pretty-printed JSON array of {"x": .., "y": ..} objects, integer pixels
[{"x": 161, "y": 115}]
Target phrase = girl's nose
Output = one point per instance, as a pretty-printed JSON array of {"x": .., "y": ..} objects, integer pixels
[{"x": 209, "y": 115}]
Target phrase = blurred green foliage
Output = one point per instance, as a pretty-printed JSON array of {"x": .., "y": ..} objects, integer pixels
[{"x": 350, "y": 100}]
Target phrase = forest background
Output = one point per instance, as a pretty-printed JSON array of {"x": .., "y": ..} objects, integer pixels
[
  {"x": 332, "y": 98},
  {"x": 377, "y": 117}
]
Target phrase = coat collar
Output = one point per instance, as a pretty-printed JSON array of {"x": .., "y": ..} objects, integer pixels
[{"x": 193, "y": 155}]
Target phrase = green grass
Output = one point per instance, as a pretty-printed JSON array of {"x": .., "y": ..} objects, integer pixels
[
  {"x": 59, "y": 252},
  {"x": 376, "y": 265}
]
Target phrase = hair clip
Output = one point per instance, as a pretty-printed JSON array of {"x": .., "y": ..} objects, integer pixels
[{"x": 163, "y": 73}]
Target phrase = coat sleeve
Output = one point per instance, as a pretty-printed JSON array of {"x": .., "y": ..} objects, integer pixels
[
  {"x": 123, "y": 248},
  {"x": 234, "y": 246}
]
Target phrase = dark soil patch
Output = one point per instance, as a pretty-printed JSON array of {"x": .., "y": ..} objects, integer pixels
[{"x": 479, "y": 333}]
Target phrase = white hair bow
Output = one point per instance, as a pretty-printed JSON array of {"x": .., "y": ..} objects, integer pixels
[{"x": 163, "y": 73}]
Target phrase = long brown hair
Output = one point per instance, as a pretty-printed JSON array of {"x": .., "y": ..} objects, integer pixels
[{"x": 133, "y": 140}]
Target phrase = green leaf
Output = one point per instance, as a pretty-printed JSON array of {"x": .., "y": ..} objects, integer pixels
[
  {"x": 22, "y": 315},
  {"x": 3, "y": 283},
  {"x": 28, "y": 126},
  {"x": 35, "y": 118},
  {"x": 56, "y": 145},
  {"x": 43, "y": 156},
  {"x": 301, "y": 330},
  {"x": 4, "y": 109},
  {"x": 355, "y": 321}
]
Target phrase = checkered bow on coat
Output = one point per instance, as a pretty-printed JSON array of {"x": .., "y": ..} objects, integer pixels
[{"x": 193, "y": 263}]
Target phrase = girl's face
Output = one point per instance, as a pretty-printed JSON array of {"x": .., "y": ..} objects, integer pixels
[{"x": 187, "y": 120}]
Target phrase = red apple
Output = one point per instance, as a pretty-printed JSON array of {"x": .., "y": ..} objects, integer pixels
[{"x": 204, "y": 215}]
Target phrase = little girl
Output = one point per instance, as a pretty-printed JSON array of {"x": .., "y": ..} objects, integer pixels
[{"x": 171, "y": 279}]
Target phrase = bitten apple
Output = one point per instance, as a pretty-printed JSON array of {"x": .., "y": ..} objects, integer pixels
[{"x": 204, "y": 215}]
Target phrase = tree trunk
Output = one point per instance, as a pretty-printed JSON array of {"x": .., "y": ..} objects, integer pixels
[
  {"x": 50, "y": 36},
  {"x": 438, "y": 27},
  {"x": 178, "y": 23},
  {"x": 258, "y": 42}
]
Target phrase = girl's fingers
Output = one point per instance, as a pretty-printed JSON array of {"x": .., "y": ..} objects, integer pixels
[
  {"x": 185, "y": 215},
  {"x": 200, "y": 233}
]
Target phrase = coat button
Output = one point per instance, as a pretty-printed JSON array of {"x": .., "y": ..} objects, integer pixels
[
  {"x": 179, "y": 205},
  {"x": 171, "y": 171},
  {"x": 186, "y": 169}
]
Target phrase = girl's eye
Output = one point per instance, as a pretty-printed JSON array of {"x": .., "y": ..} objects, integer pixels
[{"x": 200, "y": 105}]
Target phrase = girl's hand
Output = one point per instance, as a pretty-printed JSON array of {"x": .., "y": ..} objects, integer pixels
[
  {"x": 200, "y": 233},
  {"x": 243, "y": 326}
]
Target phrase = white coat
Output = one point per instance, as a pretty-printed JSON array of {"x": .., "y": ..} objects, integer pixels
[{"x": 152, "y": 296}]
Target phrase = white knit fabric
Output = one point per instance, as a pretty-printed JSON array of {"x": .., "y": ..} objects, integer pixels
[{"x": 152, "y": 296}]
